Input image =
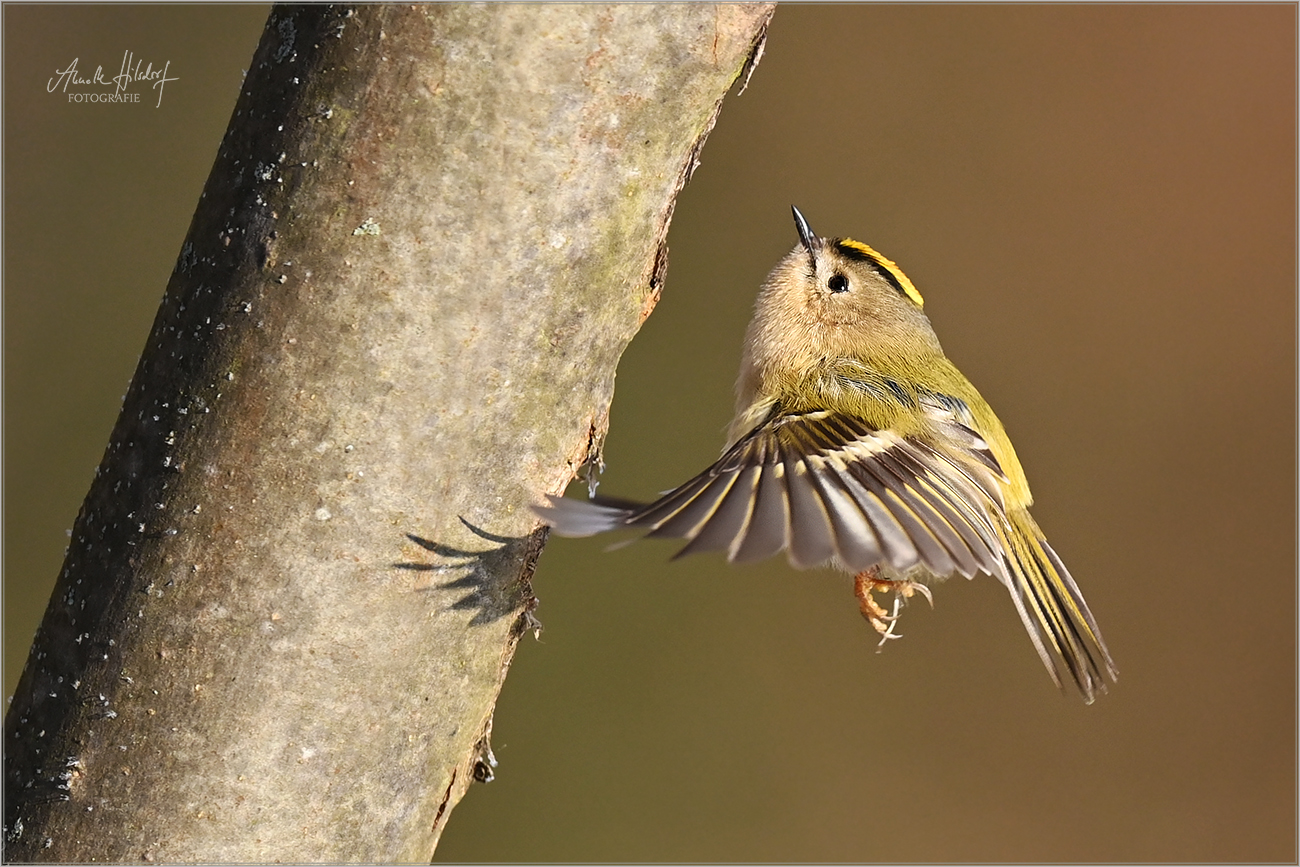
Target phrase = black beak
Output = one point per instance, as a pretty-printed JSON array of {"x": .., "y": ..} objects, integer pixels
[{"x": 805, "y": 234}]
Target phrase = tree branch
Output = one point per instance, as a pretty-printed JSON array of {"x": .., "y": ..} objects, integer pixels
[{"x": 300, "y": 574}]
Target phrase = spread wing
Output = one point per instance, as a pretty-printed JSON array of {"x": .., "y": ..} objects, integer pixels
[{"x": 826, "y": 487}]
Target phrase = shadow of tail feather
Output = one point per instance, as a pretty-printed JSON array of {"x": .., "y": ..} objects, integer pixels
[{"x": 1050, "y": 605}]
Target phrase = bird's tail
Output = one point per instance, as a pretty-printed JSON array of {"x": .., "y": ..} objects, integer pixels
[{"x": 1052, "y": 608}]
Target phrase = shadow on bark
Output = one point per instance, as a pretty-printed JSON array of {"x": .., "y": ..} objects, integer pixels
[{"x": 485, "y": 575}]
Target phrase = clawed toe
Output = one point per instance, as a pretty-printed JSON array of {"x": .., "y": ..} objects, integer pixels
[{"x": 868, "y": 582}]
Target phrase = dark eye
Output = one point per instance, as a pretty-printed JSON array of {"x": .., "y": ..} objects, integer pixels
[{"x": 838, "y": 283}]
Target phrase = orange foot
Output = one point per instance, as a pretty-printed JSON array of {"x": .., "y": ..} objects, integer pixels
[{"x": 866, "y": 583}]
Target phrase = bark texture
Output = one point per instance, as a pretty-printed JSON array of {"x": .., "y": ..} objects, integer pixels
[{"x": 300, "y": 574}]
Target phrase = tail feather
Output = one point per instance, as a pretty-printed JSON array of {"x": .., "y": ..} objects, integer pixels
[{"x": 1053, "y": 610}]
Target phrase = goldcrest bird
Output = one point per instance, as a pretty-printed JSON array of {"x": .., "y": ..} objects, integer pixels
[{"x": 857, "y": 443}]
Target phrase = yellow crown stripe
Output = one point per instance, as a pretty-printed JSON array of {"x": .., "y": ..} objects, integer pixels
[{"x": 892, "y": 273}]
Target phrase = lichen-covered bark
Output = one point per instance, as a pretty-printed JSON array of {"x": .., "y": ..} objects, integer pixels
[{"x": 300, "y": 574}]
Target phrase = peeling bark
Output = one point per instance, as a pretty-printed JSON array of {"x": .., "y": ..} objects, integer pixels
[{"x": 298, "y": 579}]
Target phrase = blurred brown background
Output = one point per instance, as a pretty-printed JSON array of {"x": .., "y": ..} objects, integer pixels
[{"x": 1098, "y": 203}]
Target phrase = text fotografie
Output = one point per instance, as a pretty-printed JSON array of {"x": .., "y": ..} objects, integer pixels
[{"x": 134, "y": 71}]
